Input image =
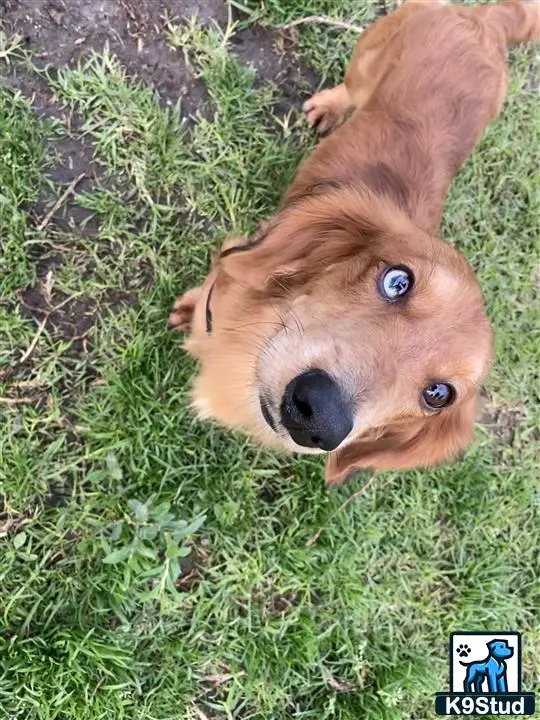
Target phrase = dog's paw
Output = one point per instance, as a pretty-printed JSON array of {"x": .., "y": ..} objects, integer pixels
[
  {"x": 327, "y": 109},
  {"x": 319, "y": 114},
  {"x": 463, "y": 650},
  {"x": 181, "y": 316}
]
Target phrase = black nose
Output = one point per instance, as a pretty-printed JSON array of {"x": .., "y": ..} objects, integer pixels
[{"x": 315, "y": 412}]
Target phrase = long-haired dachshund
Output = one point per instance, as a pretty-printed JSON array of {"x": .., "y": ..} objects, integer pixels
[{"x": 345, "y": 325}]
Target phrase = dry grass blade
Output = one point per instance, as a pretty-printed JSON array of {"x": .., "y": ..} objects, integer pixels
[
  {"x": 30, "y": 348},
  {"x": 220, "y": 678},
  {"x": 61, "y": 200},
  {"x": 200, "y": 714},
  {"x": 341, "y": 687},
  {"x": 322, "y": 20},
  {"x": 47, "y": 292},
  {"x": 17, "y": 401}
]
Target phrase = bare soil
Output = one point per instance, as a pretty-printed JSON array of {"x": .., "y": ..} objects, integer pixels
[{"x": 60, "y": 32}]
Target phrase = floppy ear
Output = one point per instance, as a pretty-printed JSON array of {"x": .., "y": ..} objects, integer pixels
[
  {"x": 317, "y": 230},
  {"x": 429, "y": 441}
]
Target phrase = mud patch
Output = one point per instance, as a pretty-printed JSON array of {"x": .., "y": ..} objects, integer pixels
[
  {"x": 502, "y": 423},
  {"x": 69, "y": 319},
  {"x": 282, "y": 603},
  {"x": 192, "y": 568},
  {"x": 272, "y": 57},
  {"x": 61, "y": 31},
  {"x": 70, "y": 157}
]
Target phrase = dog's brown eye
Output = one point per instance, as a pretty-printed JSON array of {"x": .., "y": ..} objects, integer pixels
[
  {"x": 438, "y": 395},
  {"x": 396, "y": 282}
]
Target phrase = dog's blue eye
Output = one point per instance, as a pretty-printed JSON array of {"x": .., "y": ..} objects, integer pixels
[
  {"x": 396, "y": 282},
  {"x": 438, "y": 395}
]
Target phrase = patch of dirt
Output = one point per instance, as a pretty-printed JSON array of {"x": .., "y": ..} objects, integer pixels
[
  {"x": 282, "y": 603},
  {"x": 70, "y": 319},
  {"x": 63, "y": 30},
  {"x": 59, "y": 492},
  {"x": 60, "y": 32},
  {"x": 502, "y": 422},
  {"x": 72, "y": 322},
  {"x": 271, "y": 55},
  {"x": 190, "y": 566},
  {"x": 73, "y": 156},
  {"x": 73, "y": 159},
  {"x": 267, "y": 495},
  {"x": 10, "y": 521}
]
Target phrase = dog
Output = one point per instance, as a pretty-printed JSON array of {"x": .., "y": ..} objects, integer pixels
[
  {"x": 492, "y": 669},
  {"x": 344, "y": 325}
]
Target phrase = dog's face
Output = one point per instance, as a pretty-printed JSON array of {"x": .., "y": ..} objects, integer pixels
[
  {"x": 499, "y": 649},
  {"x": 366, "y": 339}
]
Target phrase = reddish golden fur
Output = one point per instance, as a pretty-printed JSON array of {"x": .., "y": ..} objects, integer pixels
[{"x": 421, "y": 87}]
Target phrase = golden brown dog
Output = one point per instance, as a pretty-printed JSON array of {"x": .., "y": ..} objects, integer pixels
[{"x": 345, "y": 325}]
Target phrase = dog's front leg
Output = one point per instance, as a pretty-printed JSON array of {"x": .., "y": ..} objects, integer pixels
[
  {"x": 492, "y": 680},
  {"x": 327, "y": 108},
  {"x": 181, "y": 316},
  {"x": 502, "y": 686}
]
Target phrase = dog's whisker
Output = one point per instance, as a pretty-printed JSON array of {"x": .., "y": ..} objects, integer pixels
[{"x": 299, "y": 325}]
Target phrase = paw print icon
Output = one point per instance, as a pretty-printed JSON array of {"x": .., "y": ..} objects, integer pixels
[{"x": 463, "y": 650}]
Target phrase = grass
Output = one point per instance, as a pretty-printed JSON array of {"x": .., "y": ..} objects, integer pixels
[
  {"x": 21, "y": 138},
  {"x": 155, "y": 568}
]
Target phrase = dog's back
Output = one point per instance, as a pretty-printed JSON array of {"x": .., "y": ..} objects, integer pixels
[
  {"x": 515, "y": 21},
  {"x": 447, "y": 56},
  {"x": 447, "y": 75},
  {"x": 426, "y": 81}
]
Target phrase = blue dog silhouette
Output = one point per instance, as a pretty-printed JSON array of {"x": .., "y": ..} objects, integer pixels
[{"x": 492, "y": 669}]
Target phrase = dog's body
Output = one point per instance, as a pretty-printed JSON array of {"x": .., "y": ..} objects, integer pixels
[
  {"x": 424, "y": 82},
  {"x": 493, "y": 669},
  {"x": 345, "y": 324}
]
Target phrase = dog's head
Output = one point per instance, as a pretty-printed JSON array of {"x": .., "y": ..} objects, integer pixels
[
  {"x": 344, "y": 329},
  {"x": 500, "y": 650}
]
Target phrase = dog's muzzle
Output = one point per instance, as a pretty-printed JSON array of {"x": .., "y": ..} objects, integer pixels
[{"x": 315, "y": 412}]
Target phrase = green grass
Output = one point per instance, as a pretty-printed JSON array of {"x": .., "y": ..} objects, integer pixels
[
  {"x": 151, "y": 565},
  {"x": 21, "y": 138}
]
